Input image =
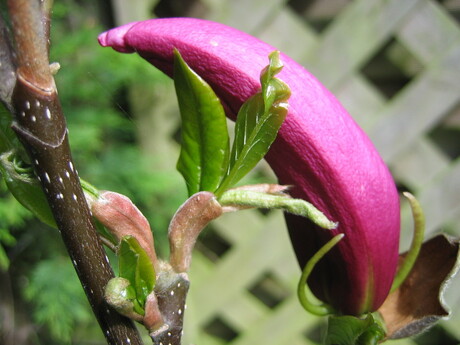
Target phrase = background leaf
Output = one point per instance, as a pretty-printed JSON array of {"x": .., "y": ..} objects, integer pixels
[
  {"x": 60, "y": 301},
  {"x": 205, "y": 143}
]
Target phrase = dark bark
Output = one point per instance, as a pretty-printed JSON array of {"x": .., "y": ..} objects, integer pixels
[{"x": 171, "y": 292}]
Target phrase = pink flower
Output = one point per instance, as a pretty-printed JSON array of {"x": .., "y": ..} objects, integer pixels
[{"x": 320, "y": 150}]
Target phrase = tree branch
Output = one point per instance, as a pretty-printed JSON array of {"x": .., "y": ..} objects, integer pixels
[
  {"x": 30, "y": 43},
  {"x": 7, "y": 66},
  {"x": 42, "y": 129}
]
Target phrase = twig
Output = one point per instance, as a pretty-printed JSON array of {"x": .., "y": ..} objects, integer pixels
[{"x": 42, "y": 129}]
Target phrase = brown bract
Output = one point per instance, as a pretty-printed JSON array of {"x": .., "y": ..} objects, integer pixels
[{"x": 418, "y": 303}]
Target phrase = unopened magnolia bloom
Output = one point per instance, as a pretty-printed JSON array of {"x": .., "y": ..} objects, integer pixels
[{"x": 319, "y": 150}]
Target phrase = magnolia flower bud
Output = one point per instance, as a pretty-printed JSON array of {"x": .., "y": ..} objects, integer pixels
[{"x": 319, "y": 150}]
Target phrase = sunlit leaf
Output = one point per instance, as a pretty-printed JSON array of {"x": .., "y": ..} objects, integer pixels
[
  {"x": 205, "y": 144},
  {"x": 257, "y": 124}
]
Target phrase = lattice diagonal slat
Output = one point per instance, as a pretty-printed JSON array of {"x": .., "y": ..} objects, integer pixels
[
  {"x": 245, "y": 292},
  {"x": 422, "y": 39}
]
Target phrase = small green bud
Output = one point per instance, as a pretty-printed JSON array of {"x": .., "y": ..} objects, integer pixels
[{"x": 118, "y": 296}]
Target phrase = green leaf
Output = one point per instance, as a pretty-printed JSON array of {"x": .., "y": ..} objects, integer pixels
[
  {"x": 257, "y": 124},
  {"x": 248, "y": 198},
  {"x": 135, "y": 266},
  {"x": 351, "y": 330},
  {"x": 4, "y": 260},
  {"x": 25, "y": 187},
  {"x": 205, "y": 149},
  {"x": 9, "y": 240}
]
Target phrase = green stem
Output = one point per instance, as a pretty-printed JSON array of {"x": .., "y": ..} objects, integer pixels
[
  {"x": 89, "y": 189},
  {"x": 419, "y": 233},
  {"x": 316, "y": 309},
  {"x": 248, "y": 198}
]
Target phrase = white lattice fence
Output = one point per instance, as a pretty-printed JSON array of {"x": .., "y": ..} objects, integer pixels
[{"x": 395, "y": 65}]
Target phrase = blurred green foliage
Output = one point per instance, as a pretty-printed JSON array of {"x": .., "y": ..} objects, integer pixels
[
  {"x": 12, "y": 215},
  {"x": 58, "y": 299}
]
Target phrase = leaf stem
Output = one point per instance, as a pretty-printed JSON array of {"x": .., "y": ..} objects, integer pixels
[
  {"x": 316, "y": 309},
  {"x": 248, "y": 198},
  {"x": 417, "y": 241}
]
